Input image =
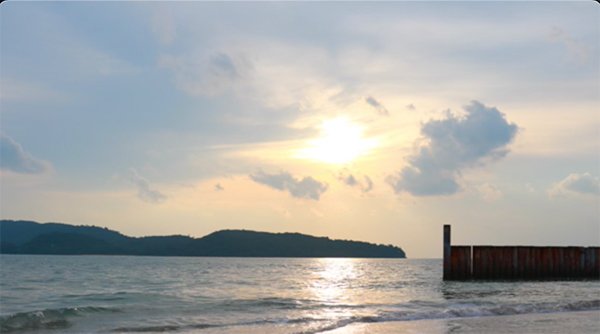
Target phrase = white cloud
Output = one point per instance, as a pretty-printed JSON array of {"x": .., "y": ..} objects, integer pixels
[
  {"x": 306, "y": 187},
  {"x": 530, "y": 188},
  {"x": 14, "y": 158},
  {"x": 583, "y": 184},
  {"x": 259, "y": 70},
  {"x": 451, "y": 145},
  {"x": 489, "y": 192},
  {"x": 145, "y": 192}
]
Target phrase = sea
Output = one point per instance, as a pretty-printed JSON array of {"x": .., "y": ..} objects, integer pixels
[{"x": 132, "y": 294}]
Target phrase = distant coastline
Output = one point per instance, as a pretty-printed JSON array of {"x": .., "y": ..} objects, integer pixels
[{"x": 29, "y": 237}]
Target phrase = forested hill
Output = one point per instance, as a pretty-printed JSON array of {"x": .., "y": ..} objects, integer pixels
[{"x": 27, "y": 237}]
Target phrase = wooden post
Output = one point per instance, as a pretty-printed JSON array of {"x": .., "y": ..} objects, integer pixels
[
  {"x": 447, "y": 252},
  {"x": 589, "y": 261},
  {"x": 476, "y": 264},
  {"x": 460, "y": 263}
]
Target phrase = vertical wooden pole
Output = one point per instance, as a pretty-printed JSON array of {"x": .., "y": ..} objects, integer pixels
[
  {"x": 485, "y": 262},
  {"x": 476, "y": 265},
  {"x": 590, "y": 259},
  {"x": 594, "y": 268},
  {"x": 469, "y": 264},
  {"x": 581, "y": 269},
  {"x": 515, "y": 262},
  {"x": 447, "y": 252}
]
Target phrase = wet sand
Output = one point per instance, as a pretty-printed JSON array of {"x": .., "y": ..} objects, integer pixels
[{"x": 547, "y": 323}]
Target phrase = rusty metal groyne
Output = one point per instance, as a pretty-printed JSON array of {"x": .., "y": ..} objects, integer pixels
[{"x": 519, "y": 262}]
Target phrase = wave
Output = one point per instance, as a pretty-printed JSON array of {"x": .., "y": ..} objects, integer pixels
[
  {"x": 47, "y": 319},
  {"x": 61, "y": 318},
  {"x": 463, "y": 310},
  {"x": 323, "y": 324},
  {"x": 162, "y": 328},
  {"x": 283, "y": 304},
  {"x": 280, "y": 303}
]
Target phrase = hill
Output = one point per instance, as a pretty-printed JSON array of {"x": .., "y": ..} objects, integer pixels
[{"x": 27, "y": 237}]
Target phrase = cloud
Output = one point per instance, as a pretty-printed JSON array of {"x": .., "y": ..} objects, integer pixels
[
  {"x": 377, "y": 105},
  {"x": 365, "y": 185},
  {"x": 206, "y": 75},
  {"x": 453, "y": 144},
  {"x": 219, "y": 187},
  {"x": 530, "y": 188},
  {"x": 17, "y": 90},
  {"x": 490, "y": 193},
  {"x": 145, "y": 193},
  {"x": 583, "y": 184},
  {"x": 306, "y": 187},
  {"x": 576, "y": 49},
  {"x": 411, "y": 107},
  {"x": 14, "y": 158},
  {"x": 163, "y": 24}
]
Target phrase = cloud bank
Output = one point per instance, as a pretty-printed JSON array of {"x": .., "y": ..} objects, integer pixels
[
  {"x": 15, "y": 159},
  {"x": 453, "y": 144},
  {"x": 145, "y": 192},
  {"x": 583, "y": 184},
  {"x": 306, "y": 187}
]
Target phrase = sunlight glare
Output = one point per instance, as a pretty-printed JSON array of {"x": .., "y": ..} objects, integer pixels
[{"x": 341, "y": 142}]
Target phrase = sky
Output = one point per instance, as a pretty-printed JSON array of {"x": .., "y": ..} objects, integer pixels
[{"x": 376, "y": 121}]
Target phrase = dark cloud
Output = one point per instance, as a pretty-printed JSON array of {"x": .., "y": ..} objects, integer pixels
[
  {"x": 584, "y": 184},
  {"x": 219, "y": 187},
  {"x": 453, "y": 144},
  {"x": 14, "y": 158},
  {"x": 145, "y": 193},
  {"x": 411, "y": 107},
  {"x": 306, "y": 187},
  {"x": 365, "y": 184},
  {"x": 377, "y": 105}
]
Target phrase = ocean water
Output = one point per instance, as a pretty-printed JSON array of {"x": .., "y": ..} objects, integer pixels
[{"x": 123, "y": 294}]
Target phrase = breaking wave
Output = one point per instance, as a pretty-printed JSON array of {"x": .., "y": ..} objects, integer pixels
[
  {"x": 319, "y": 325},
  {"x": 48, "y": 318}
]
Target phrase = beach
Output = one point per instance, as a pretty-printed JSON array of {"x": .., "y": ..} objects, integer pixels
[{"x": 547, "y": 323}]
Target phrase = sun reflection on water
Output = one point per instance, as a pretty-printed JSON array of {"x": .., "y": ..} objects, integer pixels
[
  {"x": 333, "y": 279},
  {"x": 331, "y": 286}
]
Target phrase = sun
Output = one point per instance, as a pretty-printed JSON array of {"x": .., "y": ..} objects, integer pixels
[{"x": 341, "y": 142}]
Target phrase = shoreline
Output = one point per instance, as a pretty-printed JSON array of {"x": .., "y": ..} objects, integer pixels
[{"x": 547, "y": 323}]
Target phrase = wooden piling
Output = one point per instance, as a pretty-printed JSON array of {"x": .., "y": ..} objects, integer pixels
[
  {"x": 447, "y": 252},
  {"x": 477, "y": 272},
  {"x": 519, "y": 262},
  {"x": 460, "y": 262}
]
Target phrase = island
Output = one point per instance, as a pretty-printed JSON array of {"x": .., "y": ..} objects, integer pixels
[{"x": 28, "y": 237}]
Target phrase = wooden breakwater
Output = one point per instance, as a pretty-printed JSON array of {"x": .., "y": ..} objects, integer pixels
[{"x": 519, "y": 262}]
